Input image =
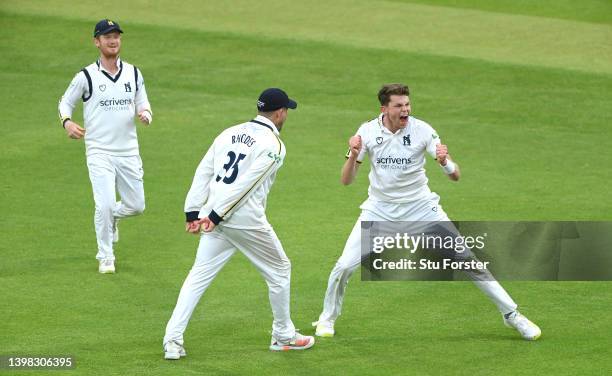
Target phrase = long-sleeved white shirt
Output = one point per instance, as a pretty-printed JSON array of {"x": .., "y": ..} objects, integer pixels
[
  {"x": 109, "y": 106},
  {"x": 233, "y": 180}
]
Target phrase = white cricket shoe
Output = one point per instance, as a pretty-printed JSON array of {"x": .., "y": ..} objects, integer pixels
[
  {"x": 106, "y": 266},
  {"x": 324, "y": 328},
  {"x": 174, "y": 351},
  {"x": 298, "y": 342},
  {"x": 528, "y": 330},
  {"x": 116, "y": 230}
]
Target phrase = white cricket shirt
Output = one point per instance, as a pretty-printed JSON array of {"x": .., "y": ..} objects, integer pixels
[
  {"x": 397, "y": 161},
  {"x": 109, "y": 106},
  {"x": 236, "y": 174}
]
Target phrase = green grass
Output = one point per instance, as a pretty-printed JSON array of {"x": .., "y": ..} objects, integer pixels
[
  {"x": 593, "y": 11},
  {"x": 390, "y": 25},
  {"x": 529, "y": 127}
]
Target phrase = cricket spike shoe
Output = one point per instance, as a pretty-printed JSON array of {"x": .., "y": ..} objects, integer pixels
[
  {"x": 174, "y": 351},
  {"x": 526, "y": 328},
  {"x": 106, "y": 266},
  {"x": 324, "y": 328},
  {"x": 298, "y": 342}
]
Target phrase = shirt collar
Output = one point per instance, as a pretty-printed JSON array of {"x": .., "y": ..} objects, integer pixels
[
  {"x": 381, "y": 124},
  {"x": 268, "y": 122},
  {"x": 101, "y": 68},
  {"x": 385, "y": 130}
]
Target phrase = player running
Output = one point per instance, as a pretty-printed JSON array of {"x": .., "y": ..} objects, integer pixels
[
  {"x": 113, "y": 93},
  {"x": 400, "y": 193},
  {"x": 227, "y": 201}
]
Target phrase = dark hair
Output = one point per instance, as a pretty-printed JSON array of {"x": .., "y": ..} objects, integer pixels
[{"x": 385, "y": 92}]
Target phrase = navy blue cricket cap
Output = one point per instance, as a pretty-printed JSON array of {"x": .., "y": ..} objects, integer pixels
[
  {"x": 105, "y": 26},
  {"x": 272, "y": 99}
]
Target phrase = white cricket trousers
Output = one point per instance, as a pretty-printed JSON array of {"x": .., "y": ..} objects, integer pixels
[
  {"x": 110, "y": 174},
  {"x": 265, "y": 252},
  {"x": 426, "y": 210}
]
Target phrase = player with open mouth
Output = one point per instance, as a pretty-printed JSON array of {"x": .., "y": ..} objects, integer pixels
[{"x": 396, "y": 144}]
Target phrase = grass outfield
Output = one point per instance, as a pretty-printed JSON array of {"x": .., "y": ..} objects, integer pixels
[{"x": 520, "y": 94}]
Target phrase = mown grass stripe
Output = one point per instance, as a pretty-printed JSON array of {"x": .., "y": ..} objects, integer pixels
[{"x": 444, "y": 31}]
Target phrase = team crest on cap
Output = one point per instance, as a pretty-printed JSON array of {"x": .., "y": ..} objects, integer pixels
[
  {"x": 260, "y": 104},
  {"x": 111, "y": 23}
]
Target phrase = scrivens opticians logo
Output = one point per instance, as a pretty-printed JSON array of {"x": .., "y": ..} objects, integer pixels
[
  {"x": 114, "y": 104},
  {"x": 393, "y": 163}
]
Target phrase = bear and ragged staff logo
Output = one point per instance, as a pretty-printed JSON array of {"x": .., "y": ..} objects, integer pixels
[{"x": 407, "y": 140}]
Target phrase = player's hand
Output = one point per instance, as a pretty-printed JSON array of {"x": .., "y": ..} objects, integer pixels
[
  {"x": 145, "y": 117},
  {"x": 207, "y": 225},
  {"x": 355, "y": 145},
  {"x": 73, "y": 130},
  {"x": 193, "y": 227},
  {"x": 441, "y": 154}
]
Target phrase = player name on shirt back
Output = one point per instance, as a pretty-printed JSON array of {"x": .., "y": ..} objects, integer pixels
[{"x": 243, "y": 138}]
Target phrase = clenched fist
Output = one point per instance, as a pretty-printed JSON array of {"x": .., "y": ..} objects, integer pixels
[
  {"x": 441, "y": 154},
  {"x": 355, "y": 145}
]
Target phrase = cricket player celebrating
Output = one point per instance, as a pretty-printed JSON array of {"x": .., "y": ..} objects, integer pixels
[
  {"x": 227, "y": 202},
  {"x": 399, "y": 192},
  {"x": 112, "y": 92}
]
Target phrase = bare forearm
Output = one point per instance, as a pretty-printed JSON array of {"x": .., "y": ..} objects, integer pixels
[
  {"x": 349, "y": 170},
  {"x": 456, "y": 174},
  {"x": 451, "y": 169}
]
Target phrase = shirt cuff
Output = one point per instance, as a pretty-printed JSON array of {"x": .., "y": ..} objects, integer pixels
[
  {"x": 192, "y": 216},
  {"x": 214, "y": 217}
]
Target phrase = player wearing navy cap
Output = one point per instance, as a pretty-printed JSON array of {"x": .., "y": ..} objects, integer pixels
[
  {"x": 226, "y": 204},
  {"x": 113, "y": 93}
]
